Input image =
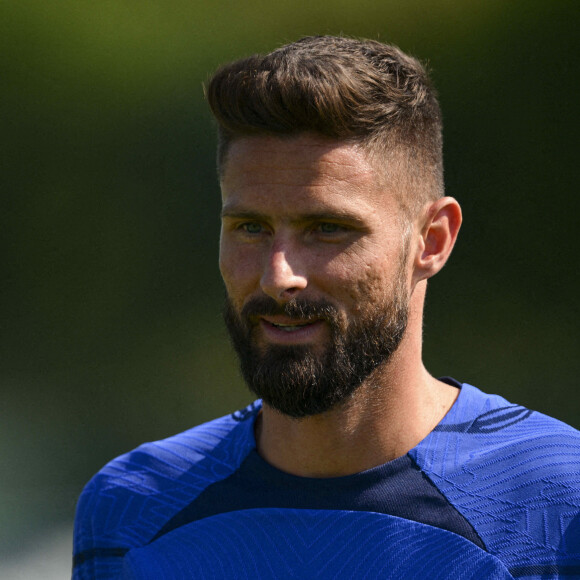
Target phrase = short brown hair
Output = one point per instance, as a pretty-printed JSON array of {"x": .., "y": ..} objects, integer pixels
[{"x": 362, "y": 91}]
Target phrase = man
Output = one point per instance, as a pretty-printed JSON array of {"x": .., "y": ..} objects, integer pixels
[{"x": 356, "y": 462}]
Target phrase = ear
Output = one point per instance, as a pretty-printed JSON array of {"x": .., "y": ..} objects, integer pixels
[{"x": 440, "y": 225}]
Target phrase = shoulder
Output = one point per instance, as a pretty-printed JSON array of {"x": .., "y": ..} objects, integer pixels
[
  {"x": 483, "y": 432},
  {"x": 514, "y": 474},
  {"x": 130, "y": 498},
  {"x": 206, "y": 449},
  {"x": 490, "y": 424}
]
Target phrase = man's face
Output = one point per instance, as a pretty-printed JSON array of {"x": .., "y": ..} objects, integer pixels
[{"x": 313, "y": 256}]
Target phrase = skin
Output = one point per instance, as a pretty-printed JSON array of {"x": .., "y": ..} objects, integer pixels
[{"x": 310, "y": 217}]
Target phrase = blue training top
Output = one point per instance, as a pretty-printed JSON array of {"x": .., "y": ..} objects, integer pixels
[{"x": 492, "y": 492}]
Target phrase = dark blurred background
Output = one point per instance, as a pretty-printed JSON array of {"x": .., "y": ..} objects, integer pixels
[{"x": 111, "y": 331}]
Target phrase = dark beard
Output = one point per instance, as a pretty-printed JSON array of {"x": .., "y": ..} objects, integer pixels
[{"x": 294, "y": 379}]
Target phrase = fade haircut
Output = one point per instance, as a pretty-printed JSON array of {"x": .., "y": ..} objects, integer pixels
[{"x": 360, "y": 91}]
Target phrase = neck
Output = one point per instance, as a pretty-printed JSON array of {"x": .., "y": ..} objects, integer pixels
[{"x": 389, "y": 414}]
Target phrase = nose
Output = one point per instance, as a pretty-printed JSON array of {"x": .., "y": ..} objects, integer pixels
[{"x": 281, "y": 278}]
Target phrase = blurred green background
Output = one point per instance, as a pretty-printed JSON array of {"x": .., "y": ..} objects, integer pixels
[{"x": 110, "y": 326}]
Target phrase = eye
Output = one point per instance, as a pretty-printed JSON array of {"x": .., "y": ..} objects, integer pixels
[
  {"x": 251, "y": 227},
  {"x": 330, "y": 228}
]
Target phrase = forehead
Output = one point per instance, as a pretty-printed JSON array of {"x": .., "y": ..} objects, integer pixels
[
  {"x": 302, "y": 148},
  {"x": 290, "y": 171}
]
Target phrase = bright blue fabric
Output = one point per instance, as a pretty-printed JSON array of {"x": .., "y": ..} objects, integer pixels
[
  {"x": 303, "y": 544},
  {"x": 512, "y": 474},
  {"x": 515, "y": 475}
]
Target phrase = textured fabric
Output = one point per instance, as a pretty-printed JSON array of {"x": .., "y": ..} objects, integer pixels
[
  {"x": 277, "y": 543},
  {"x": 256, "y": 484},
  {"x": 492, "y": 492}
]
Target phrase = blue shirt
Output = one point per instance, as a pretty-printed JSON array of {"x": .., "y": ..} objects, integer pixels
[{"x": 492, "y": 492}]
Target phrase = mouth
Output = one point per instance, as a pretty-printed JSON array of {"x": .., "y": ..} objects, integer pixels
[
  {"x": 283, "y": 329},
  {"x": 292, "y": 327}
]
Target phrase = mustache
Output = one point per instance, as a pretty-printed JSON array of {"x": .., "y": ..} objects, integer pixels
[{"x": 297, "y": 308}]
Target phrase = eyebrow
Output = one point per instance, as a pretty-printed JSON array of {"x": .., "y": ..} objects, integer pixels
[{"x": 234, "y": 213}]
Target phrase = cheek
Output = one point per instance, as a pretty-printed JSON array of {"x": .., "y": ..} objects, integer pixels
[
  {"x": 240, "y": 272},
  {"x": 370, "y": 289},
  {"x": 353, "y": 283},
  {"x": 368, "y": 284}
]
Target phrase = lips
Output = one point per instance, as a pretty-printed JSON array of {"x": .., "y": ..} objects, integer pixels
[
  {"x": 279, "y": 329},
  {"x": 290, "y": 327},
  {"x": 288, "y": 324}
]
